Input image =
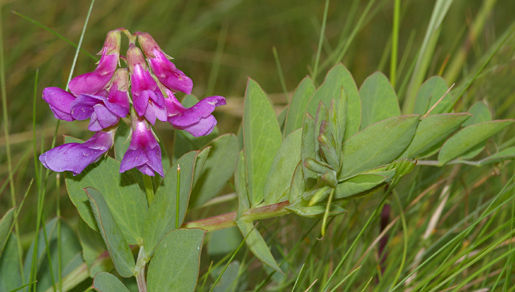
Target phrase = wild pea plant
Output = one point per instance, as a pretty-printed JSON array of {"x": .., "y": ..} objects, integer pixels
[{"x": 333, "y": 145}]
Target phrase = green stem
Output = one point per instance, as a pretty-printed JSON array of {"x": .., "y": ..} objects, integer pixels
[
  {"x": 139, "y": 270},
  {"x": 149, "y": 188},
  {"x": 178, "y": 197},
  {"x": 395, "y": 42}
]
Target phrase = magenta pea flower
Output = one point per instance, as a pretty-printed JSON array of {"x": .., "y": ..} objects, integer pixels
[
  {"x": 75, "y": 157},
  {"x": 105, "y": 96},
  {"x": 107, "y": 107},
  {"x": 165, "y": 71},
  {"x": 147, "y": 97},
  {"x": 93, "y": 82},
  {"x": 104, "y": 109},
  {"x": 197, "y": 120},
  {"x": 144, "y": 152}
]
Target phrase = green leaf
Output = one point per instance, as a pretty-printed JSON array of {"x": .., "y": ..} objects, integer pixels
[
  {"x": 299, "y": 105},
  {"x": 378, "y": 144},
  {"x": 262, "y": 139},
  {"x": 378, "y": 100},
  {"x": 281, "y": 172},
  {"x": 297, "y": 184},
  {"x": 121, "y": 140},
  {"x": 339, "y": 78},
  {"x": 470, "y": 137},
  {"x": 121, "y": 191},
  {"x": 429, "y": 93},
  {"x": 162, "y": 213},
  {"x": 10, "y": 276},
  {"x": 257, "y": 244},
  {"x": 361, "y": 183},
  {"x": 116, "y": 244},
  {"x": 508, "y": 153},
  {"x": 70, "y": 256},
  {"x": 92, "y": 247},
  {"x": 309, "y": 146},
  {"x": 5, "y": 228},
  {"x": 432, "y": 131},
  {"x": 228, "y": 282},
  {"x": 106, "y": 282},
  {"x": 217, "y": 170},
  {"x": 240, "y": 182},
  {"x": 223, "y": 241},
  {"x": 302, "y": 209},
  {"x": 175, "y": 264},
  {"x": 480, "y": 113}
]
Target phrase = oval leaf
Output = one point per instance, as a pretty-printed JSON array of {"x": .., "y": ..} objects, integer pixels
[
  {"x": 298, "y": 105},
  {"x": 378, "y": 100},
  {"x": 162, "y": 213},
  {"x": 261, "y": 138},
  {"x": 470, "y": 137},
  {"x": 175, "y": 264},
  {"x": 5, "y": 228},
  {"x": 106, "y": 282},
  {"x": 432, "y": 131},
  {"x": 121, "y": 191},
  {"x": 429, "y": 93},
  {"x": 257, "y": 244},
  {"x": 116, "y": 244},
  {"x": 217, "y": 170},
  {"x": 281, "y": 172},
  {"x": 378, "y": 144}
]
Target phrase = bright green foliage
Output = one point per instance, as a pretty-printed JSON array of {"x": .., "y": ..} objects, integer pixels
[
  {"x": 121, "y": 192},
  {"x": 161, "y": 217},
  {"x": 470, "y": 137},
  {"x": 10, "y": 276},
  {"x": 116, "y": 244},
  {"x": 431, "y": 132},
  {"x": 378, "y": 100},
  {"x": 175, "y": 265},
  {"x": 5, "y": 228},
  {"x": 106, "y": 282},
  {"x": 257, "y": 244},
  {"x": 378, "y": 144},
  {"x": 262, "y": 139},
  {"x": 299, "y": 105},
  {"x": 429, "y": 93},
  {"x": 283, "y": 166},
  {"x": 217, "y": 169}
]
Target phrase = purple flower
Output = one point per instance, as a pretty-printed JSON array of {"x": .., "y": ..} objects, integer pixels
[
  {"x": 197, "y": 120},
  {"x": 106, "y": 108},
  {"x": 93, "y": 82},
  {"x": 162, "y": 67},
  {"x": 60, "y": 102},
  {"x": 144, "y": 152},
  {"x": 147, "y": 98},
  {"x": 75, "y": 157}
]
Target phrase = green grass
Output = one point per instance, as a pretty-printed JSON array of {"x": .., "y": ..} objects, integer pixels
[{"x": 219, "y": 44}]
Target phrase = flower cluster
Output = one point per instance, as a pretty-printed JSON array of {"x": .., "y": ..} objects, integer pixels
[{"x": 104, "y": 96}]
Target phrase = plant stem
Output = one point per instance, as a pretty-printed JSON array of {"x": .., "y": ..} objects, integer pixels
[
  {"x": 149, "y": 188},
  {"x": 139, "y": 270},
  {"x": 178, "y": 197},
  {"x": 229, "y": 219}
]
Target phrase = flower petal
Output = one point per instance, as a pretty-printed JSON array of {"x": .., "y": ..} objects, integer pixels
[
  {"x": 60, "y": 102},
  {"x": 202, "y": 128},
  {"x": 75, "y": 157},
  {"x": 194, "y": 114},
  {"x": 95, "y": 81}
]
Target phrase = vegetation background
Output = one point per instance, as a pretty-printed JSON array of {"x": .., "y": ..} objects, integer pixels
[{"x": 222, "y": 43}]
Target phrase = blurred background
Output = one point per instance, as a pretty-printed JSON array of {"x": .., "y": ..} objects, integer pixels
[{"x": 220, "y": 44}]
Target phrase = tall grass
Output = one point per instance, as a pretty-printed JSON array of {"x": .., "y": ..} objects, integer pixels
[{"x": 450, "y": 229}]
